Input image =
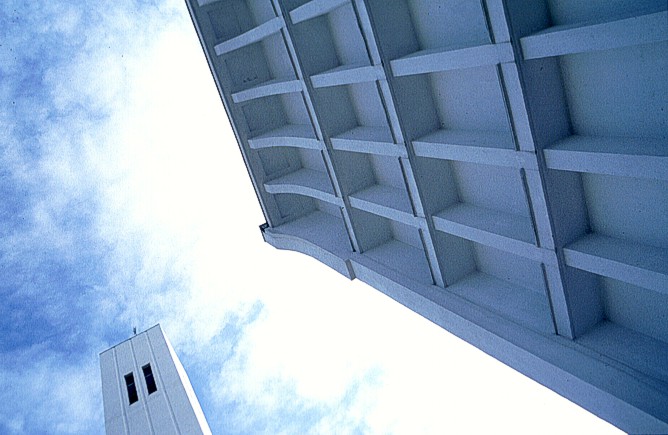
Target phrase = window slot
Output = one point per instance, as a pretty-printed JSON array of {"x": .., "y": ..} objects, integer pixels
[
  {"x": 148, "y": 377},
  {"x": 132, "y": 388}
]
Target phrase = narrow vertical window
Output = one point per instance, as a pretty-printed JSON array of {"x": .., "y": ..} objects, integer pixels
[
  {"x": 148, "y": 377},
  {"x": 132, "y": 388}
]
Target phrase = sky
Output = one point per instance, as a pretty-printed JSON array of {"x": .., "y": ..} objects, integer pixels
[{"x": 124, "y": 202}]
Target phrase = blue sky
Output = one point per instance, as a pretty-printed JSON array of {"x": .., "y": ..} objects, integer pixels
[{"x": 124, "y": 202}]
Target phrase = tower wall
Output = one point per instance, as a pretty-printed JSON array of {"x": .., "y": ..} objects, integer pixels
[{"x": 170, "y": 407}]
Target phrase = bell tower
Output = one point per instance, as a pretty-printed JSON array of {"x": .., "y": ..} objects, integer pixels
[{"x": 146, "y": 390}]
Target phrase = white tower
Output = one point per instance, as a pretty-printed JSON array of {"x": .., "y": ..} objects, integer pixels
[{"x": 146, "y": 390}]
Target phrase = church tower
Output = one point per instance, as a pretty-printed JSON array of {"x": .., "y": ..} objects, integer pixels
[{"x": 146, "y": 390}]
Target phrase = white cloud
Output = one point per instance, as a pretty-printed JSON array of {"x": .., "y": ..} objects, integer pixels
[{"x": 50, "y": 393}]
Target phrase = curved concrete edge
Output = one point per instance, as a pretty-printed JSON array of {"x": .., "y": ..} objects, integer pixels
[
  {"x": 298, "y": 244},
  {"x": 296, "y": 189}
]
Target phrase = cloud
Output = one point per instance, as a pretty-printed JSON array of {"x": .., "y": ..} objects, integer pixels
[
  {"x": 67, "y": 393},
  {"x": 65, "y": 271}
]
